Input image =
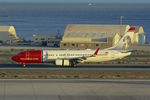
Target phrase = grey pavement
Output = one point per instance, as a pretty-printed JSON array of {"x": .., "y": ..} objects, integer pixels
[
  {"x": 81, "y": 67},
  {"x": 74, "y": 89}
]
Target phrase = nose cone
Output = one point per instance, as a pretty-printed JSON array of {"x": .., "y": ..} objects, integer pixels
[{"x": 15, "y": 58}]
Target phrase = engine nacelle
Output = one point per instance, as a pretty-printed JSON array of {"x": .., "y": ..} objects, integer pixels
[{"x": 62, "y": 62}]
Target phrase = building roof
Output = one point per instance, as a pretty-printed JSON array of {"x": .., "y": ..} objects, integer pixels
[{"x": 94, "y": 28}]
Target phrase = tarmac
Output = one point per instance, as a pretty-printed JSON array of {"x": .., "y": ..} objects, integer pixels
[
  {"x": 80, "y": 67},
  {"x": 74, "y": 89}
]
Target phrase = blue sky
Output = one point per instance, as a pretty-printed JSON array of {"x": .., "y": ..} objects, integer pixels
[{"x": 77, "y": 1}]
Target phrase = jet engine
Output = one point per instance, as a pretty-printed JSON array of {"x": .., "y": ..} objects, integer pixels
[{"x": 62, "y": 62}]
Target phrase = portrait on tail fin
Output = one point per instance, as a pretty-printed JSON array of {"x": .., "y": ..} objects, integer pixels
[{"x": 126, "y": 42}]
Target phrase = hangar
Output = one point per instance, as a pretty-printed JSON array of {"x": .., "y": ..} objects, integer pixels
[
  {"x": 80, "y": 36},
  {"x": 8, "y": 35}
]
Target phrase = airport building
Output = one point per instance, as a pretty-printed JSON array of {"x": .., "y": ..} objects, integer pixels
[
  {"x": 51, "y": 40},
  {"x": 80, "y": 36},
  {"x": 92, "y": 36},
  {"x": 8, "y": 35},
  {"x": 139, "y": 36}
]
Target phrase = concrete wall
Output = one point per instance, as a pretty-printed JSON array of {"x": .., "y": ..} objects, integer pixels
[
  {"x": 46, "y": 40},
  {"x": 74, "y": 35},
  {"x": 83, "y": 45}
]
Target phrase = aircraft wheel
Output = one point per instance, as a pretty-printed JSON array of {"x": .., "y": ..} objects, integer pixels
[
  {"x": 74, "y": 65},
  {"x": 24, "y": 65}
]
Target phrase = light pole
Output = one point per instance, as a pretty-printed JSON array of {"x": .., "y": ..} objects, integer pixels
[{"x": 121, "y": 17}]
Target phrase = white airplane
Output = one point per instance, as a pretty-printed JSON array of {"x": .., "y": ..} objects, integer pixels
[{"x": 73, "y": 57}]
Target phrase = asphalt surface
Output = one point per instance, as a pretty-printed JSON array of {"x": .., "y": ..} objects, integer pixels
[
  {"x": 79, "y": 67},
  {"x": 71, "y": 89}
]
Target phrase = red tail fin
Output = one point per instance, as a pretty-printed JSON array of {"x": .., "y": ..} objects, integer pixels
[{"x": 96, "y": 52}]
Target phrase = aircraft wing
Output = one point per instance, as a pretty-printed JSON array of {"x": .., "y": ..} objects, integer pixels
[{"x": 78, "y": 59}]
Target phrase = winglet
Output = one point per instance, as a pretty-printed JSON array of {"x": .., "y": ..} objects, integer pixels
[{"x": 96, "y": 52}]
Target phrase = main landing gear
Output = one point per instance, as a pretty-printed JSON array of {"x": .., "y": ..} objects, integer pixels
[
  {"x": 74, "y": 64},
  {"x": 24, "y": 65}
]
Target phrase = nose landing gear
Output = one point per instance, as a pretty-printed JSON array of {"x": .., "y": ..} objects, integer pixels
[{"x": 24, "y": 65}]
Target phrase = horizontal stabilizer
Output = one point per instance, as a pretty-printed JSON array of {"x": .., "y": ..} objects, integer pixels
[{"x": 96, "y": 52}]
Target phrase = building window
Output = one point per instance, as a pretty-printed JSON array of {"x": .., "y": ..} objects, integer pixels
[
  {"x": 82, "y": 44},
  {"x": 73, "y": 44},
  {"x": 65, "y": 44},
  {"x": 97, "y": 45},
  {"x": 42, "y": 39}
]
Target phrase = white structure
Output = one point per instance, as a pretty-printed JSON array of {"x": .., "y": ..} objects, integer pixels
[
  {"x": 51, "y": 40},
  {"x": 8, "y": 35}
]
